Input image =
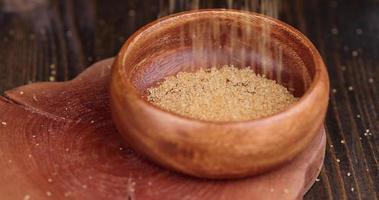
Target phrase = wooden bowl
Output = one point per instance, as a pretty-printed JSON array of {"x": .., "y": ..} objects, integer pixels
[{"x": 204, "y": 38}]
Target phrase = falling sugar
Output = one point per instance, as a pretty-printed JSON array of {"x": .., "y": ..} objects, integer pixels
[
  {"x": 334, "y": 31},
  {"x": 205, "y": 35}
]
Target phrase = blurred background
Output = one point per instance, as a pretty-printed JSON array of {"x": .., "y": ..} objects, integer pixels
[{"x": 54, "y": 40}]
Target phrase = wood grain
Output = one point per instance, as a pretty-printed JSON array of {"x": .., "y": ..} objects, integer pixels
[
  {"x": 58, "y": 141},
  {"x": 34, "y": 48}
]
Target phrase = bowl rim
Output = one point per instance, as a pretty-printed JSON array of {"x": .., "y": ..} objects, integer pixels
[{"x": 320, "y": 75}]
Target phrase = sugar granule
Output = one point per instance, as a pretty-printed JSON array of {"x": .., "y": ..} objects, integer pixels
[{"x": 226, "y": 94}]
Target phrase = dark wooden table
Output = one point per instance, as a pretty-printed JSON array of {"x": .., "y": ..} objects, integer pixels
[{"x": 51, "y": 40}]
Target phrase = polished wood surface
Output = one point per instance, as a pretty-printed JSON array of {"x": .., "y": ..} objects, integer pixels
[
  {"x": 58, "y": 140},
  {"x": 210, "y": 149},
  {"x": 55, "y": 40}
]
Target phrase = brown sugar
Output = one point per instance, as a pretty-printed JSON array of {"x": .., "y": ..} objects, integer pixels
[{"x": 226, "y": 94}]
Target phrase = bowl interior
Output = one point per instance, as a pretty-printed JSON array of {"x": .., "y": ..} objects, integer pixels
[{"x": 192, "y": 41}]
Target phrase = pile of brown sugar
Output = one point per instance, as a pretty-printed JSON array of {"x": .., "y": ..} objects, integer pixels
[{"x": 226, "y": 94}]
